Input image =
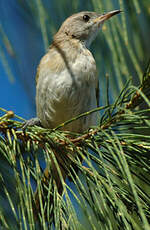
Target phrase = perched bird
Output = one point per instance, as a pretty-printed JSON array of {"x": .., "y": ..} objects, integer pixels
[{"x": 66, "y": 81}]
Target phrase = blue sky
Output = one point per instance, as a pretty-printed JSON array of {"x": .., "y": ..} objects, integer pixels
[{"x": 21, "y": 54}]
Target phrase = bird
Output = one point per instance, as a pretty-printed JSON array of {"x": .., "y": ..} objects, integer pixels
[{"x": 67, "y": 82}]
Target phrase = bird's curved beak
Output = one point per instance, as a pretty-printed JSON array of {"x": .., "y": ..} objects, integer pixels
[{"x": 106, "y": 16}]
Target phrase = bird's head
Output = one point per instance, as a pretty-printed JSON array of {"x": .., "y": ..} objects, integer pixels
[{"x": 84, "y": 26}]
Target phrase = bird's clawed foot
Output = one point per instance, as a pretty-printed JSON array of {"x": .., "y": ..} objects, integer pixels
[{"x": 31, "y": 122}]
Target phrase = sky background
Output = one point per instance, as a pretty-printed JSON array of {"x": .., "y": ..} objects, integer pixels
[{"x": 17, "y": 79}]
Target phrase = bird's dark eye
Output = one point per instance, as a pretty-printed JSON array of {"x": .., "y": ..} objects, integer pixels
[{"x": 86, "y": 18}]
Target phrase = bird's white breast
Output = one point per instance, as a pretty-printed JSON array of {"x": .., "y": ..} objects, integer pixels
[{"x": 68, "y": 93}]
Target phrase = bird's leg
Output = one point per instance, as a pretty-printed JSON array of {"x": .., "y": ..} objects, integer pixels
[{"x": 31, "y": 122}]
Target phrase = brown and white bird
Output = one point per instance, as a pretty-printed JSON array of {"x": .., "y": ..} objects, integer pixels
[{"x": 66, "y": 82}]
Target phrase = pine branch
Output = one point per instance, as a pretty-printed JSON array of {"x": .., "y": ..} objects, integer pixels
[{"x": 119, "y": 155}]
